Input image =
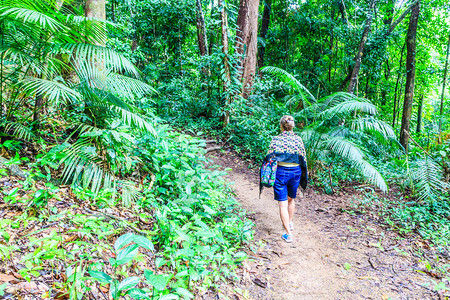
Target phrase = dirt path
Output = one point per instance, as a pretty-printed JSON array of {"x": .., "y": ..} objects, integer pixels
[{"x": 334, "y": 255}]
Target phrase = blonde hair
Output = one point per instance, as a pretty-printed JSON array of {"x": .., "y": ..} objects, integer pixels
[{"x": 287, "y": 123}]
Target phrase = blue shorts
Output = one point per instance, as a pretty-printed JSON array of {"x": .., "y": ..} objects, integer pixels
[{"x": 286, "y": 182}]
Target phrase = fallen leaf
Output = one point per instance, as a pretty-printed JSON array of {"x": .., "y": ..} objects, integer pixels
[
  {"x": 260, "y": 283},
  {"x": 8, "y": 278},
  {"x": 368, "y": 278}
]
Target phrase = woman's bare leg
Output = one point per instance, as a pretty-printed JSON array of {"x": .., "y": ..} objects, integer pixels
[
  {"x": 284, "y": 215},
  {"x": 291, "y": 208}
]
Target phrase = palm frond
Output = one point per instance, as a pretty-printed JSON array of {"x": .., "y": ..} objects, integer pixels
[
  {"x": 19, "y": 130},
  {"x": 129, "y": 193},
  {"x": 126, "y": 87},
  {"x": 338, "y": 97},
  {"x": 27, "y": 15},
  {"x": 99, "y": 55},
  {"x": 348, "y": 107},
  {"x": 344, "y": 148},
  {"x": 370, "y": 124},
  {"x": 350, "y": 151},
  {"x": 289, "y": 79},
  {"x": 372, "y": 175},
  {"x": 83, "y": 168},
  {"x": 135, "y": 120},
  {"x": 428, "y": 179},
  {"x": 54, "y": 90}
]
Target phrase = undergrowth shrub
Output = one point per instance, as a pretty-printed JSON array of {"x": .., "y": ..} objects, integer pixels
[{"x": 429, "y": 218}]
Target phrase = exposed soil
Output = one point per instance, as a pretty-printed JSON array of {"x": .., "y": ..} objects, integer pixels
[{"x": 335, "y": 255}]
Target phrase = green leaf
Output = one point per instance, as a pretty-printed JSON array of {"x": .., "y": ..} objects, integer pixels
[
  {"x": 113, "y": 289},
  {"x": 159, "y": 282},
  {"x": 128, "y": 283},
  {"x": 169, "y": 297},
  {"x": 122, "y": 241},
  {"x": 100, "y": 276},
  {"x": 347, "y": 266},
  {"x": 143, "y": 242},
  {"x": 127, "y": 254},
  {"x": 137, "y": 294},
  {"x": 189, "y": 189},
  {"x": 2, "y": 289},
  {"x": 184, "y": 293}
]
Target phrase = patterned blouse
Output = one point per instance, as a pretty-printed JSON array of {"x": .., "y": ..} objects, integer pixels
[{"x": 287, "y": 142}]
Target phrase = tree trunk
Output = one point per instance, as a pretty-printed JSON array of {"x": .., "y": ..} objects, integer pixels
[
  {"x": 343, "y": 11},
  {"x": 38, "y": 104},
  {"x": 444, "y": 81},
  {"x": 113, "y": 11},
  {"x": 402, "y": 16},
  {"x": 358, "y": 57},
  {"x": 96, "y": 9},
  {"x": 263, "y": 33},
  {"x": 396, "y": 86},
  {"x": 390, "y": 28},
  {"x": 201, "y": 30},
  {"x": 246, "y": 42},
  {"x": 410, "y": 76},
  {"x": 419, "y": 114},
  {"x": 226, "y": 64},
  {"x": 390, "y": 14}
]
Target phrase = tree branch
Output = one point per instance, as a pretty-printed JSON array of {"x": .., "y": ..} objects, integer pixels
[{"x": 402, "y": 16}]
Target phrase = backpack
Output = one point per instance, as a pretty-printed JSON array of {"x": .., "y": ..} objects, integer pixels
[{"x": 268, "y": 172}]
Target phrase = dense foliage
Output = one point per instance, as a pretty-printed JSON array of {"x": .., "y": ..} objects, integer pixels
[{"x": 91, "y": 94}]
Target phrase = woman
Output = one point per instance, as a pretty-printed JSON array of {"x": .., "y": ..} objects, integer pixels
[{"x": 288, "y": 150}]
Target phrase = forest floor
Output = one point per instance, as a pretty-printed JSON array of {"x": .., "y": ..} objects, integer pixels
[{"x": 335, "y": 254}]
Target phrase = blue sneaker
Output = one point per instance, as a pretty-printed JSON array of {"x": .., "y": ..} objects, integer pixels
[
  {"x": 291, "y": 226},
  {"x": 287, "y": 238}
]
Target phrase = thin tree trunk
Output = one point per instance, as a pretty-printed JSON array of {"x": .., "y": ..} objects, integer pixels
[
  {"x": 263, "y": 32},
  {"x": 113, "y": 11},
  {"x": 201, "y": 30},
  {"x": 226, "y": 64},
  {"x": 398, "y": 101},
  {"x": 396, "y": 86},
  {"x": 402, "y": 16},
  {"x": 390, "y": 14},
  {"x": 96, "y": 9},
  {"x": 366, "y": 92},
  {"x": 286, "y": 36},
  {"x": 419, "y": 115},
  {"x": 246, "y": 42},
  {"x": 391, "y": 26},
  {"x": 343, "y": 11},
  {"x": 38, "y": 103},
  {"x": 444, "y": 81},
  {"x": 410, "y": 75},
  {"x": 362, "y": 44}
]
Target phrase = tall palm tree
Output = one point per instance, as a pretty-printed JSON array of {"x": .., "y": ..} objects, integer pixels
[{"x": 50, "y": 58}]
